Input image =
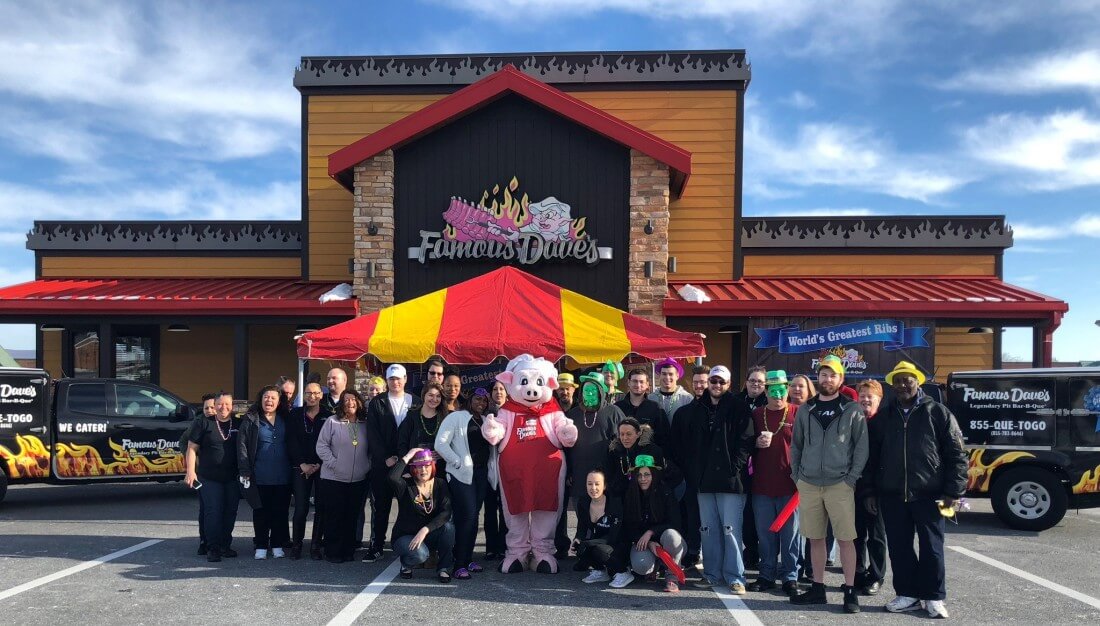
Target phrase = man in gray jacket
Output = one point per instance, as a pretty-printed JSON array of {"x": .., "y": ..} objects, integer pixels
[{"x": 828, "y": 451}]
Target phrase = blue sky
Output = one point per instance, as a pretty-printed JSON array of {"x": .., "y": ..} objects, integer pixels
[{"x": 186, "y": 110}]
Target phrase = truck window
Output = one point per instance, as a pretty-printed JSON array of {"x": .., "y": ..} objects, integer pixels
[
  {"x": 1084, "y": 406},
  {"x": 138, "y": 401},
  {"x": 87, "y": 398}
]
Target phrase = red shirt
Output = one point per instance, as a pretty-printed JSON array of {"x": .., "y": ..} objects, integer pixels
[{"x": 772, "y": 465}]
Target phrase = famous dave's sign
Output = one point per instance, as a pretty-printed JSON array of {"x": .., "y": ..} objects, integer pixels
[
  {"x": 998, "y": 411},
  {"x": 508, "y": 227}
]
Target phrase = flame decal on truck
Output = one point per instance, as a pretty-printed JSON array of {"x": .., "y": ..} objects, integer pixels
[
  {"x": 980, "y": 473},
  {"x": 32, "y": 460},
  {"x": 79, "y": 461}
]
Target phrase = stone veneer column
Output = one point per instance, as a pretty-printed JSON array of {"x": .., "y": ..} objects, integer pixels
[
  {"x": 649, "y": 196},
  {"x": 373, "y": 202}
]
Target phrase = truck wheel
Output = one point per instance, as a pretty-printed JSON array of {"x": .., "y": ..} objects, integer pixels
[{"x": 1029, "y": 498}]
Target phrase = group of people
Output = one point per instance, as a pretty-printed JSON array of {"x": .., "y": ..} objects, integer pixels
[{"x": 662, "y": 479}]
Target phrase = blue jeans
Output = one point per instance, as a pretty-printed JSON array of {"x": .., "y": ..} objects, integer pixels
[
  {"x": 466, "y": 501},
  {"x": 782, "y": 548},
  {"x": 442, "y": 540},
  {"x": 720, "y": 517},
  {"x": 220, "y": 501}
]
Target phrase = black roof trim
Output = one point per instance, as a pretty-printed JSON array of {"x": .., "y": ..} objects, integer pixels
[
  {"x": 548, "y": 67},
  {"x": 281, "y": 236},
  {"x": 910, "y": 231}
]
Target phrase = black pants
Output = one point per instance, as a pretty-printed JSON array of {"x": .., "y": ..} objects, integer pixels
[
  {"x": 270, "y": 521},
  {"x": 220, "y": 501},
  {"x": 303, "y": 489},
  {"x": 870, "y": 546},
  {"x": 341, "y": 503},
  {"x": 466, "y": 501},
  {"x": 381, "y": 502},
  {"x": 202, "y": 521},
  {"x": 596, "y": 554},
  {"x": 925, "y": 576},
  {"x": 561, "y": 532},
  {"x": 689, "y": 511},
  {"x": 495, "y": 527},
  {"x": 751, "y": 553}
]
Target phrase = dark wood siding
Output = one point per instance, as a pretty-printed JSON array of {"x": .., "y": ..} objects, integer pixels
[{"x": 550, "y": 156}]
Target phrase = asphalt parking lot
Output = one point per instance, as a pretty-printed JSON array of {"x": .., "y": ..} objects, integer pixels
[{"x": 103, "y": 553}]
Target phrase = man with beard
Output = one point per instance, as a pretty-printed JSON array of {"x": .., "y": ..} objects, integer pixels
[
  {"x": 917, "y": 471},
  {"x": 828, "y": 451},
  {"x": 564, "y": 392},
  {"x": 597, "y": 423},
  {"x": 699, "y": 375},
  {"x": 641, "y": 408},
  {"x": 748, "y": 400}
]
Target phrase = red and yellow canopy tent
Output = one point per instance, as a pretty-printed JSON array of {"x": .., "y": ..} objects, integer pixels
[{"x": 506, "y": 312}]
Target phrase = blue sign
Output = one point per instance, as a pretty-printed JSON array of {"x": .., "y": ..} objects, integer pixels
[{"x": 891, "y": 333}]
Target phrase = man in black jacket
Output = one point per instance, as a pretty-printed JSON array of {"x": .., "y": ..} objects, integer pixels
[
  {"x": 635, "y": 404},
  {"x": 749, "y": 399},
  {"x": 384, "y": 415},
  {"x": 715, "y": 449},
  {"x": 303, "y": 427},
  {"x": 917, "y": 465}
]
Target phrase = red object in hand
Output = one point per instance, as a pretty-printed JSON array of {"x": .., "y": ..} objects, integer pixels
[
  {"x": 785, "y": 514},
  {"x": 671, "y": 564}
]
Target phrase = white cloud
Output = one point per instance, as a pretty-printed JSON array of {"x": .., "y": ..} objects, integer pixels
[
  {"x": 199, "y": 76},
  {"x": 1087, "y": 225},
  {"x": 799, "y": 100},
  {"x": 1072, "y": 70},
  {"x": 1059, "y": 151},
  {"x": 843, "y": 156}
]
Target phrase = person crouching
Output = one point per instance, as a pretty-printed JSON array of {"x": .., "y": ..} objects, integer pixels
[
  {"x": 423, "y": 514},
  {"x": 651, "y": 518}
]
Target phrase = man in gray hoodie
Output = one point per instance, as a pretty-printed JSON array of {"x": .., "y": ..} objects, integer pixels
[{"x": 829, "y": 448}]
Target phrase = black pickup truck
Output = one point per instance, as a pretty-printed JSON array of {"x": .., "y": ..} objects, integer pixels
[
  {"x": 1033, "y": 437},
  {"x": 87, "y": 430}
]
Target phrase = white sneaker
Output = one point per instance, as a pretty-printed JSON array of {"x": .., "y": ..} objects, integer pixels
[
  {"x": 596, "y": 576},
  {"x": 936, "y": 608},
  {"x": 261, "y": 554},
  {"x": 622, "y": 579},
  {"x": 902, "y": 604},
  {"x": 277, "y": 553}
]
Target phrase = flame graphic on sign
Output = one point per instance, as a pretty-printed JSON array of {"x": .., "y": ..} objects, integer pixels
[
  {"x": 78, "y": 460},
  {"x": 979, "y": 473},
  {"x": 31, "y": 461}
]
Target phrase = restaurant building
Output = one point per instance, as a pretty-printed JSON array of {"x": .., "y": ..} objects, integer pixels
[{"x": 615, "y": 175}]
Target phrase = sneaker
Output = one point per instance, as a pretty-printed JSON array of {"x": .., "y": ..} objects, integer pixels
[
  {"x": 737, "y": 589},
  {"x": 406, "y": 573},
  {"x": 370, "y": 556},
  {"x": 790, "y": 587},
  {"x": 277, "y": 553},
  {"x": 462, "y": 573},
  {"x": 445, "y": 576},
  {"x": 761, "y": 584},
  {"x": 851, "y": 599},
  {"x": 703, "y": 583},
  {"x": 596, "y": 576},
  {"x": 936, "y": 608},
  {"x": 902, "y": 604},
  {"x": 621, "y": 580},
  {"x": 814, "y": 595},
  {"x": 475, "y": 568},
  {"x": 261, "y": 554},
  {"x": 671, "y": 586}
]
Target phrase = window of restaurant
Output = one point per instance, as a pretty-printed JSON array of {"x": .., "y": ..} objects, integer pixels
[
  {"x": 85, "y": 354},
  {"x": 132, "y": 353},
  {"x": 135, "y": 354}
]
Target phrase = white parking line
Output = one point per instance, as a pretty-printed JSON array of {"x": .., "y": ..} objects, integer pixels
[
  {"x": 369, "y": 593},
  {"x": 38, "y": 582},
  {"x": 1066, "y": 591},
  {"x": 741, "y": 613}
]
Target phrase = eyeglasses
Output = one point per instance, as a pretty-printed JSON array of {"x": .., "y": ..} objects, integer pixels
[
  {"x": 755, "y": 381},
  {"x": 431, "y": 373},
  {"x": 314, "y": 393},
  {"x": 717, "y": 381}
]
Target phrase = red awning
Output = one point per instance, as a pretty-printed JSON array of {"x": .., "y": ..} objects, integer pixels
[
  {"x": 276, "y": 297},
  {"x": 838, "y": 296}
]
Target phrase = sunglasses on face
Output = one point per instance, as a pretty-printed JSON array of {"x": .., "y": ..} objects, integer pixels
[{"x": 717, "y": 381}]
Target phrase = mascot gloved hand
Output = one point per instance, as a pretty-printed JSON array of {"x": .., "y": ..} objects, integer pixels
[{"x": 530, "y": 431}]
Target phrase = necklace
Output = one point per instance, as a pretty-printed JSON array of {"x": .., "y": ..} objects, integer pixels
[
  {"x": 424, "y": 425},
  {"x": 425, "y": 501},
  {"x": 228, "y": 431},
  {"x": 782, "y": 422},
  {"x": 353, "y": 430},
  {"x": 477, "y": 420},
  {"x": 307, "y": 423},
  {"x": 595, "y": 414}
]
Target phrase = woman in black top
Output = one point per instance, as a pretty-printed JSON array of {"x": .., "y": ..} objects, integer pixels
[
  {"x": 634, "y": 440},
  {"x": 422, "y": 423},
  {"x": 651, "y": 520},
  {"x": 599, "y": 523},
  {"x": 213, "y": 444},
  {"x": 423, "y": 514},
  {"x": 495, "y": 527},
  {"x": 264, "y": 460},
  {"x": 302, "y": 429}
]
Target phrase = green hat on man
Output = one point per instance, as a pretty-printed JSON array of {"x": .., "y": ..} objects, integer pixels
[
  {"x": 776, "y": 377},
  {"x": 832, "y": 362}
]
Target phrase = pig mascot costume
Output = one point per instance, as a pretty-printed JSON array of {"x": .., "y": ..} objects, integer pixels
[{"x": 530, "y": 431}]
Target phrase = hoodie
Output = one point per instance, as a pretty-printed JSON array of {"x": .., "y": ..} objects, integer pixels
[{"x": 825, "y": 456}]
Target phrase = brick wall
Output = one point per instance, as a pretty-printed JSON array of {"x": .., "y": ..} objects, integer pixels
[
  {"x": 373, "y": 202},
  {"x": 649, "y": 197}
]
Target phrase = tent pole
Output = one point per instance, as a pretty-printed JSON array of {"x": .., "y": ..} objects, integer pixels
[{"x": 301, "y": 381}]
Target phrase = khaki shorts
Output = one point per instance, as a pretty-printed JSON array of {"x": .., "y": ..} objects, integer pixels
[{"x": 820, "y": 505}]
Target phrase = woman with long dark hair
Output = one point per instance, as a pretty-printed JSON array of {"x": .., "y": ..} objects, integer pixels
[
  {"x": 263, "y": 458},
  {"x": 651, "y": 521},
  {"x": 466, "y": 454},
  {"x": 342, "y": 448},
  {"x": 423, "y": 515}
]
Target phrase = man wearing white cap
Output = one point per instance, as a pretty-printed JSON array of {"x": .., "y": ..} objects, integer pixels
[
  {"x": 716, "y": 449},
  {"x": 384, "y": 415}
]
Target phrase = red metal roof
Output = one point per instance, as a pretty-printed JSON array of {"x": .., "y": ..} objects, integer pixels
[
  {"x": 279, "y": 297},
  {"x": 837, "y": 296},
  {"x": 496, "y": 85}
]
